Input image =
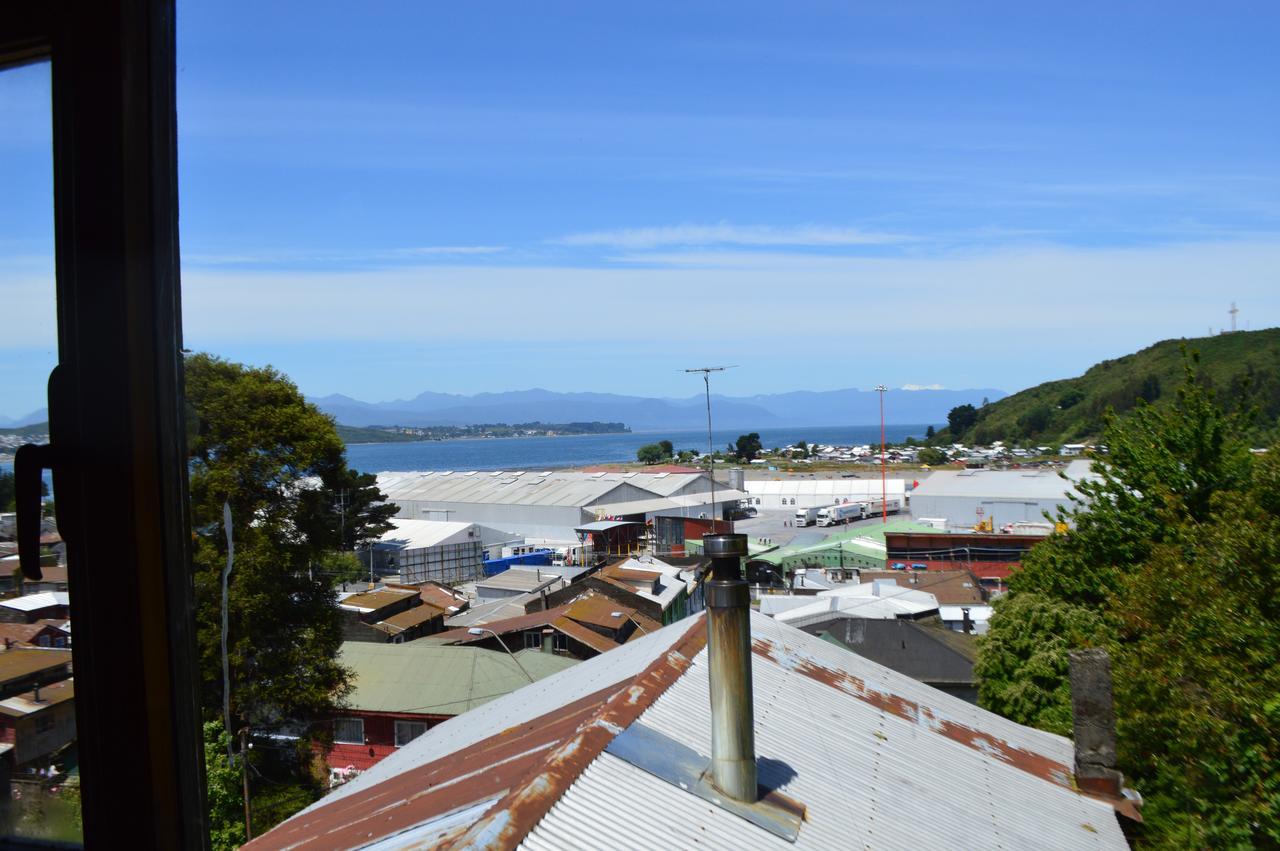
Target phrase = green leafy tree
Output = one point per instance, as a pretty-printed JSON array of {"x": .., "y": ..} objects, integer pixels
[
  {"x": 8, "y": 492},
  {"x": 929, "y": 433},
  {"x": 1172, "y": 568},
  {"x": 668, "y": 449},
  {"x": 259, "y": 447},
  {"x": 747, "y": 447},
  {"x": 687, "y": 455},
  {"x": 931, "y": 456},
  {"x": 341, "y": 568},
  {"x": 224, "y": 784},
  {"x": 961, "y": 419},
  {"x": 802, "y": 449},
  {"x": 651, "y": 453},
  {"x": 1022, "y": 667}
]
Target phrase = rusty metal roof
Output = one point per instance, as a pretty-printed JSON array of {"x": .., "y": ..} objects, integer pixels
[
  {"x": 880, "y": 761},
  {"x": 599, "y": 610}
]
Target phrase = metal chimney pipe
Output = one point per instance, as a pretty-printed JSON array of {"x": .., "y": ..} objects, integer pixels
[{"x": 733, "y": 737}]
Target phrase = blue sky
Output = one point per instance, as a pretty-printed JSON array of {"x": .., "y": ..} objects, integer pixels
[{"x": 486, "y": 196}]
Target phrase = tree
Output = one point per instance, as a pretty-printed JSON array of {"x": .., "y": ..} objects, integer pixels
[
  {"x": 667, "y": 448},
  {"x": 802, "y": 449},
  {"x": 747, "y": 447},
  {"x": 961, "y": 419},
  {"x": 650, "y": 453},
  {"x": 224, "y": 784},
  {"x": 929, "y": 433},
  {"x": 9, "y": 491},
  {"x": 687, "y": 455},
  {"x": 1172, "y": 568},
  {"x": 932, "y": 457},
  {"x": 275, "y": 460}
]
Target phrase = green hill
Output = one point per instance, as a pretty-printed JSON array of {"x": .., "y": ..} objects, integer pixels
[{"x": 1244, "y": 368}]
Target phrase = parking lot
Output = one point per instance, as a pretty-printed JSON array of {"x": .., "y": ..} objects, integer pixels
[{"x": 772, "y": 525}]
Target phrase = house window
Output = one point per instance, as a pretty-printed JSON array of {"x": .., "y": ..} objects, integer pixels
[
  {"x": 348, "y": 731},
  {"x": 532, "y": 640},
  {"x": 407, "y": 731}
]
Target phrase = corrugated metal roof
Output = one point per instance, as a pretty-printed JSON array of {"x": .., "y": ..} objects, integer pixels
[
  {"x": 885, "y": 762},
  {"x": 419, "y": 534},
  {"x": 1004, "y": 484},
  {"x": 522, "y": 579},
  {"x": 436, "y": 680},
  {"x": 43, "y": 600}
]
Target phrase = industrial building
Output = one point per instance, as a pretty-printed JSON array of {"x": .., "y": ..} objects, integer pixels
[
  {"x": 791, "y": 492},
  {"x": 438, "y": 550},
  {"x": 546, "y": 507},
  {"x": 967, "y": 498}
]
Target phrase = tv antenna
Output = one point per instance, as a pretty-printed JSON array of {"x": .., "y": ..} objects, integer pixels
[
  {"x": 1233, "y": 311},
  {"x": 711, "y": 470}
]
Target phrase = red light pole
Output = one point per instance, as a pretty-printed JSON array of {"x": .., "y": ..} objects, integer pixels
[{"x": 884, "y": 485}]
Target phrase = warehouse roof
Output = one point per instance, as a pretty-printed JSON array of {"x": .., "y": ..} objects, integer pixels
[
  {"x": 792, "y": 486},
  {"x": 437, "y": 680},
  {"x": 562, "y": 763},
  {"x": 518, "y": 488},
  {"x": 522, "y": 579},
  {"x": 16, "y": 663},
  {"x": 419, "y": 534},
  {"x": 958, "y": 587},
  {"x": 881, "y": 600},
  {"x": 1005, "y": 484},
  {"x": 44, "y": 600},
  {"x": 371, "y": 601}
]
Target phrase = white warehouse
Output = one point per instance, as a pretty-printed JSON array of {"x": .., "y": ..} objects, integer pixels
[
  {"x": 965, "y": 498},
  {"x": 548, "y": 506},
  {"x": 443, "y": 551},
  {"x": 818, "y": 493}
]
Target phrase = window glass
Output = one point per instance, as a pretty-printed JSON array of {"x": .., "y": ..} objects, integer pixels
[
  {"x": 40, "y": 795},
  {"x": 348, "y": 731},
  {"x": 407, "y": 731}
]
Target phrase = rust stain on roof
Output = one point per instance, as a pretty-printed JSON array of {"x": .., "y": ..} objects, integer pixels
[
  {"x": 580, "y": 633},
  {"x": 599, "y": 611},
  {"x": 510, "y": 819},
  {"x": 1033, "y": 763}
]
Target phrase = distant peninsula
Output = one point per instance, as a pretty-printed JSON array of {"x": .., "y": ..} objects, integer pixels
[{"x": 412, "y": 434}]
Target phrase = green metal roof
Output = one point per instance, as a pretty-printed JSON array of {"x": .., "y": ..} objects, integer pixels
[
  {"x": 439, "y": 680},
  {"x": 845, "y": 547}
]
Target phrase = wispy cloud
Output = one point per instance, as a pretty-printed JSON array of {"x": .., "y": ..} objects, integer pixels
[
  {"x": 923, "y": 387},
  {"x": 728, "y": 234},
  {"x": 304, "y": 257}
]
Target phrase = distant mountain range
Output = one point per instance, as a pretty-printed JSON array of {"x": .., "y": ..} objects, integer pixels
[
  {"x": 32, "y": 418},
  {"x": 800, "y": 408}
]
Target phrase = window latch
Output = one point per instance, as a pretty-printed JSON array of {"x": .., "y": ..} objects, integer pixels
[{"x": 29, "y": 462}]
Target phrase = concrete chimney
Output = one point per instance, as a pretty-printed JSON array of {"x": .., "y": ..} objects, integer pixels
[
  {"x": 1094, "y": 722},
  {"x": 967, "y": 623},
  {"x": 733, "y": 739},
  {"x": 548, "y": 640}
]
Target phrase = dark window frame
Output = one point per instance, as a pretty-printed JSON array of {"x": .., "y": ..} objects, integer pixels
[{"x": 116, "y": 412}]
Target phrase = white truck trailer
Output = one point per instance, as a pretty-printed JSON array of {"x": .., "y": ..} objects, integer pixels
[
  {"x": 834, "y": 515},
  {"x": 807, "y": 516},
  {"x": 874, "y": 506}
]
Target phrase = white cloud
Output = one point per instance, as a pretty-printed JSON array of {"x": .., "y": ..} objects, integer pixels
[
  {"x": 727, "y": 234},
  {"x": 299, "y": 257},
  {"x": 922, "y": 387}
]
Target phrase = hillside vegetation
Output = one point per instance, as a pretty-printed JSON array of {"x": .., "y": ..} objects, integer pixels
[{"x": 1242, "y": 367}]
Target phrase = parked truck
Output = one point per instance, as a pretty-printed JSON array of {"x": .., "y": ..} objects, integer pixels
[
  {"x": 806, "y": 516},
  {"x": 874, "y": 506},
  {"x": 834, "y": 515}
]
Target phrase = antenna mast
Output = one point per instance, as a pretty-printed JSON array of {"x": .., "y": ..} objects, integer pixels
[
  {"x": 711, "y": 471},
  {"x": 1233, "y": 311}
]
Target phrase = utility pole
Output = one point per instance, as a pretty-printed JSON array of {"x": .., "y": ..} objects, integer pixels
[
  {"x": 1233, "y": 311},
  {"x": 711, "y": 469},
  {"x": 884, "y": 484},
  {"x": 244, "y": 772}
]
